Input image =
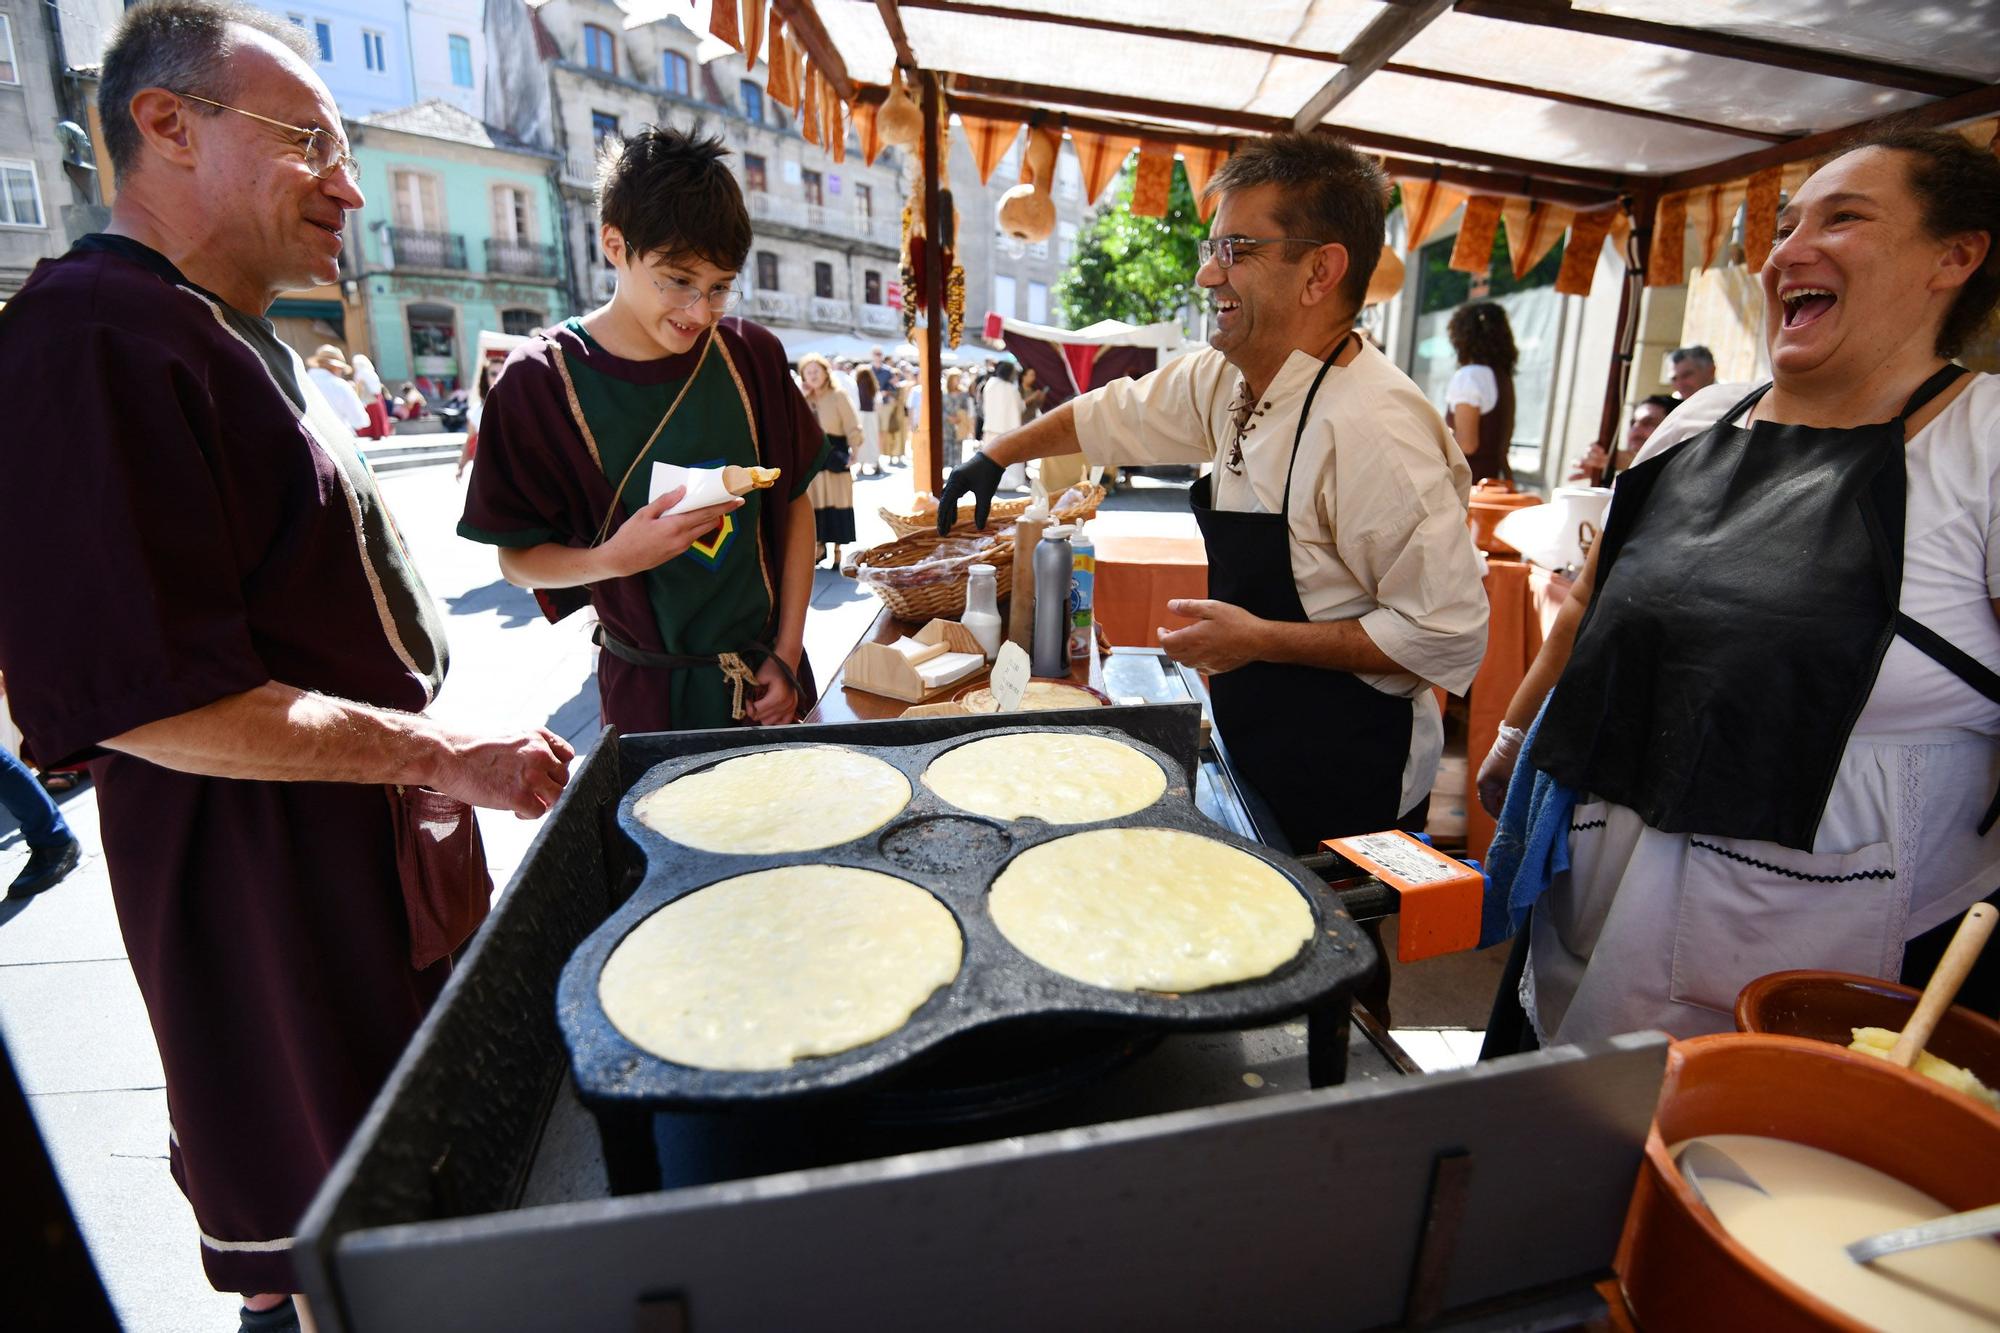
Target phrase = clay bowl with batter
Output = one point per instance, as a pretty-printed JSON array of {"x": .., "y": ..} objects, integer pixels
[{"x": 1828, "y": 1006}]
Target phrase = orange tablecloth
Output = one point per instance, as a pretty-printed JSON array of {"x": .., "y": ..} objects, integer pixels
[
  {"x": 1136, "y": 577},
  {"x": 1522, "y": 601}
]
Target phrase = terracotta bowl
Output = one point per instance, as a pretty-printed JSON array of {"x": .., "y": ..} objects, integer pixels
[
  {"x": 1827, "y": 1006},
  {"x": 1680, "y": 1270}
]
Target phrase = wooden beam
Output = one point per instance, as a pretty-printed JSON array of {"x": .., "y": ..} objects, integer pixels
[
  {"x": 1756, "y": 50},
  {"x": 1389, "y": 32},
  {"x": 929, "y": 455},
  {"x": 1608, "y": 182},
  {"x": 1479, "y": 182},
  {"x": 892, "y": 21},
  {"x": 810, "y": 33},
  {"x": 1951, "y": 111},
  {"x": 1587, "y": 103}
]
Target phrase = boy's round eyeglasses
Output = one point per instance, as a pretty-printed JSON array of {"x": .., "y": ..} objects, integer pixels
[
  {"x": 685, "y": 295},
  {"x": 1226, "y": 250},
  {"x": 324, "y": 152}
]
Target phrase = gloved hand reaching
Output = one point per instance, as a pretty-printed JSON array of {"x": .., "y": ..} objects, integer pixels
[
  {"x": 979, "y": 476},
  {"x": 1498, "y": 768}
]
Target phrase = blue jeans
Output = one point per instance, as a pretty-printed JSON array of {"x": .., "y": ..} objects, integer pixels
[{"x": 41, "y": 823}]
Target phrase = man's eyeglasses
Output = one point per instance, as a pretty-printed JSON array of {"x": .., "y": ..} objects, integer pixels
[
  {"x": 324, "y": 152},
  {"x": 681, "y": 295},
  {"x": 1226, "y": 250}
]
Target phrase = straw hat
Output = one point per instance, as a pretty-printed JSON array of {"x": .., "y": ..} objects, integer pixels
[{"x": 329, "y": 357}]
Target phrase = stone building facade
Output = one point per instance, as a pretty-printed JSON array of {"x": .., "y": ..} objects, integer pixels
[{"x": 822, "y": 272}]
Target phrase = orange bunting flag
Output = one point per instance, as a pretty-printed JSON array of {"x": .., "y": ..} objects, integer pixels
[
  {"x": 722, "y": 22},
  {"x": 989, "y": 141},
  {"x": 1153, "y": 188},
  {"x": 809, "y": 100},
  {"x": 753, "y": 34},
  {"x": 1760, "y": 216},
  {"x": 779, "y": 87},
  {"x": 1473, "y": 252},
  {"x": 1712, "y": 212},
  {"x": 1586, "y": 243},
  {"x": 1100, "y": 156},
  {"x": 1201, "y": 164},
  {"x": 865, "y": 128},
  {"x": 836, "y": 127},
  {"x": 1667, "y": 265},
  {"x": 1532, "y": 231},
  {"x": 1425, "y": 204}
]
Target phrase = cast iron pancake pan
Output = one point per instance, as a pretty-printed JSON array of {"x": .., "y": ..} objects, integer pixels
[{"x": 955, "y": 856}]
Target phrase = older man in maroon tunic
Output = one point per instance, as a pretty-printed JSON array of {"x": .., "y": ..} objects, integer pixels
[{"x": 244, "y": 650}]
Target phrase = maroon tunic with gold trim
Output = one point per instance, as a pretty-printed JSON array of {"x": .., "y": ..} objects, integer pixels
[
  {"x": 229, "y": 539},
  {"x": 541, "y": 477}
]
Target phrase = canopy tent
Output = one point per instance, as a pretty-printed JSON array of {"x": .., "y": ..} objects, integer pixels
[
  {"x": 1067, "y": 363},
  {"x": 1612, "y": 115}
]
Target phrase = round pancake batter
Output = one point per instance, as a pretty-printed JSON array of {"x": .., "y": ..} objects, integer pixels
[
  {"x": 1040, "y": 695},
  {"x": 1063, "y": 777},
  {"x": 762, "y": 970},
  {"x": 1149, "y": 909},
  {"x": 792, "y": 800}
]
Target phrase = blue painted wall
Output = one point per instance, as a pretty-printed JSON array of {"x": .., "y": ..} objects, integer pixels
[{"x": 357, "y": 89}]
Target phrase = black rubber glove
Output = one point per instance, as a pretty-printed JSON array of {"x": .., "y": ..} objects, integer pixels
[{"x": 979, "y": 478}]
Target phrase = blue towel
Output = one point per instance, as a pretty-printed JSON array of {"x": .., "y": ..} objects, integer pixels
[{"x": 1530, "y": 847}]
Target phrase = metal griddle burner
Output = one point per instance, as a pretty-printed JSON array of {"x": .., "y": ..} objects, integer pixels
[
  {"x": 946, "y": 844},
  {"x": 1005, "y": 1034}
]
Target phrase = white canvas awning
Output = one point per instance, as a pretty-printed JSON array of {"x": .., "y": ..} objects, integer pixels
[{"x": 1599, "y": 97}]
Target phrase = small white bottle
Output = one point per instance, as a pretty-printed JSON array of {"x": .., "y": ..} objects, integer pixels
[{"x": 982, "y": 610}]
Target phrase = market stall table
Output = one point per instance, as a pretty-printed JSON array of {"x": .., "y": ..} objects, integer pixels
[
  {"x": 841, "y": 702},
  {"x": 475, "y": 1193},
  {"x": 1523, "y": 600}
]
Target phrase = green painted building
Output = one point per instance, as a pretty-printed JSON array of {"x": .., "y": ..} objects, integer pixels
[{"x": 460, "y": 235}]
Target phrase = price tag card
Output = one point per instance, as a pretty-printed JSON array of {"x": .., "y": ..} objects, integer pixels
[{"x": 1009, "y": 681}]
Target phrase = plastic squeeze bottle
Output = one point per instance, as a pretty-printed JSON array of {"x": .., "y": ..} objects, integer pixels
[
  {"x": 1050, "y": 655},
  {"x": 1083, "y": 575},
  {"x": 982, "y": 610}
]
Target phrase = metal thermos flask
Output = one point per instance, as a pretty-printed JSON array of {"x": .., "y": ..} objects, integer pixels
[{"x": 1050, "y": 653}]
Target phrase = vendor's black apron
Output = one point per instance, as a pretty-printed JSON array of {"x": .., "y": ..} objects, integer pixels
[
  {"x": 1747, "y": 588},
  {"x": 1324, "y": 749}
]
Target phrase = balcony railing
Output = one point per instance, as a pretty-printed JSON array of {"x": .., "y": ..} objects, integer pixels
[
  {"x": 410, "y": 248},
  {"x": 773, "y": 306},
  {"x": 831, "y": 314},
  {"x": 880, "y": 319},
  {"x": 520, "y": 259},
  {"x": 766, "y": 207}
]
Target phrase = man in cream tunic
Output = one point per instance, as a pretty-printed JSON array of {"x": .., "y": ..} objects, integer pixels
[{"x": 1342, "y": 577}]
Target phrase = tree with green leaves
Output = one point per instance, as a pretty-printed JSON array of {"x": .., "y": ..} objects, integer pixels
[{"x": 1140, "y": 270}]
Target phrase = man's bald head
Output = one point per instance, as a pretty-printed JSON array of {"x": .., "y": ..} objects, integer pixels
[{"x": 184, "y": 46}]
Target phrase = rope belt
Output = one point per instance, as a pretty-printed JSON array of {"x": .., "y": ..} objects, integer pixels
[{"x": 735, "y": 667}]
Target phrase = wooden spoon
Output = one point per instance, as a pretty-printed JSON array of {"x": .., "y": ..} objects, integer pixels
[{"x": 1963, "y": 952}]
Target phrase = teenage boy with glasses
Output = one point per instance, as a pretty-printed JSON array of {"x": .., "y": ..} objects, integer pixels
[{"x": 701, "y": 614}]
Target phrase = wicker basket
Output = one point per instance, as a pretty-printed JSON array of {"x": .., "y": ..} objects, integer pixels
[
  {"x": 1002, "y": 512},
  {"x": 939, "y": 588}
]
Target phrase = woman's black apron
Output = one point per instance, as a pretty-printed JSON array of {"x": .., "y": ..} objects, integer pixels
[
  {"x": 1747, "y": 589},
  {"x": 1324, "y": 749}
]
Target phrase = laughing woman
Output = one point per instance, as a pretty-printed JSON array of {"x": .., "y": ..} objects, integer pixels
[{"x": 1775, "y": 702}]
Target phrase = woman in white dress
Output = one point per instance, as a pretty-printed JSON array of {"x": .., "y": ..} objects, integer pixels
[{"x": 1774, "y": 690}]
